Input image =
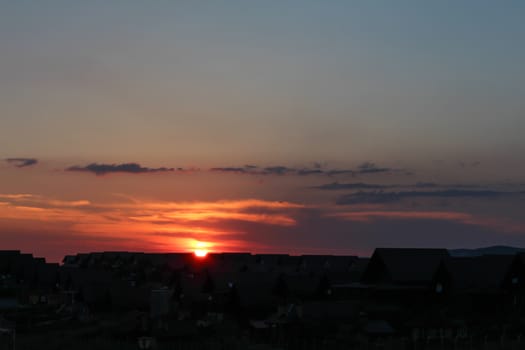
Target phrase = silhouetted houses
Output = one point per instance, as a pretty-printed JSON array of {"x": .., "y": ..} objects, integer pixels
[
  {"x": 230, "y": 262},
  {"x": 474, "y": 275},
  {"x": 7, "y": 334},
  {"x": 304, "y": 286},
  {"x": 515, "y": 277},
  {"x": 331, "y": 311},
  {"x": 270, "y": 262},
  {"x": 7, "y": 258},
  {"x": 418, "y": 297},
  {"x": 357, "y": 269},
  {"x": 256, "y": 291},
  {"x": 403, "y": 266}
]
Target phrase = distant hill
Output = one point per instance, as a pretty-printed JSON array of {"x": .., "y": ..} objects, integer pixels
[{"x": 497, "y": 249}]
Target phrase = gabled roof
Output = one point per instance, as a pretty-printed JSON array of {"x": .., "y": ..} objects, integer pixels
[
  {"x": 404, "y": 265},
  {"x": 6, "y": 257},
  {"x": 70, "y": 259},
  {"x": 479, "y": 273},
  {"x": 9, "y": 253}
]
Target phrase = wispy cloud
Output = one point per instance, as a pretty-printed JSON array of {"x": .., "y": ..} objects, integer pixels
[
  {"x": 243, "y": 170},
  {"x": 388, "y": 197},
  {"x": 371, "y": 168},
  {"x": 38, "y": 201},
  {"x": 16, "y": 196},
  {"x": 142, "y": 218},
  {"x": 22, "y": 162},
  {"x": 497, "y": 223},
  {"x": 243, "y": 224},
  {"x": 256, "y": 170},
  {"x": 336, "y": 186},
  {"x": 278, "y": 170},
  {"x": 131, "y": 168},
  {"x": 429, "y": 215},
  {"x": 316, "y": 170}
]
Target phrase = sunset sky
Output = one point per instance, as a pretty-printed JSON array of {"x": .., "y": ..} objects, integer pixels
[{"x": 295, "y": 127}]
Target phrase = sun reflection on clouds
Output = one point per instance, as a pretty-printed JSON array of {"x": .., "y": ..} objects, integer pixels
[
  {"x": 213, "y": 226},
  {"x": 164, "y": 225}
]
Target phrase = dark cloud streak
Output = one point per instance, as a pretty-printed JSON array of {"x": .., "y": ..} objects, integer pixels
[
  {"x": 336, "y": 186},
  {"x": 389, "y": 197},
  {"x": 131, "y": 168},
  {"x": 22, "y": 162},
  {"x": 317, "y": 169},
  {"x": 370, "y": 168}
]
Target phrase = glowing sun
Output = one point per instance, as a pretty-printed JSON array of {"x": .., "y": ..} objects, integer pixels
[
  {"x": 200, "y": 249},
  {"x": 201, "y": 253}
]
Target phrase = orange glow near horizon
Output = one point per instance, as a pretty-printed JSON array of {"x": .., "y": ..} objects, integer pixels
[{"x": 200, "y": 249}]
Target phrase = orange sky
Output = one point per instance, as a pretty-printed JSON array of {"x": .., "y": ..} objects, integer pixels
[
  {"x": 257, "y": 213},
  {"x": 296, "y": 126}
]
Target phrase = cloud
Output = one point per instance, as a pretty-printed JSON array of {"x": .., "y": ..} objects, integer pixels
[
  {"x": 366, "y": 216},
  {"x": 16, "y": 196},
  {"x": 37, "y": 202},
  {"x": 305, "y": 172},
  {"x": 426, "y": 185},
  {"x": 335, "y": 186},
  {"x": 255, "y": 170},
  {"x": 163, "y": 224},
  {"x": 316, "y": 169},
  {"x": 496, "y": 223},
  {"x": 189, "y": 170},
  {"x": 152, "y": 212},
  {"x": 388, "y": 197},
  {"x": 371, "y": 168},
  {"x": 103, "y": 169},
  {"x": 278, "y": 170},
  {"x": 22, "y": 162},
  {"x": 335, "y": 172},
  {"x": 244, "y": 170},
  {"x": 244, "y": 225}
]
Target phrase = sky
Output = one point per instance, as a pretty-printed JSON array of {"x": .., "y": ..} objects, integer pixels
[{"x": 300, "y": 127}]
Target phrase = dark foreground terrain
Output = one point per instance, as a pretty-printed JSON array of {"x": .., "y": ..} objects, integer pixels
[{"x": 397, "y": 299}]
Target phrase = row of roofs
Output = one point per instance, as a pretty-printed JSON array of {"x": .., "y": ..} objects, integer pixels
[
  {"x": 387, "y": 268},
  {"x": 221, "y": 262},
  {"x": 437, "y": 269},
  {"x": 24, "y": 269}
]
